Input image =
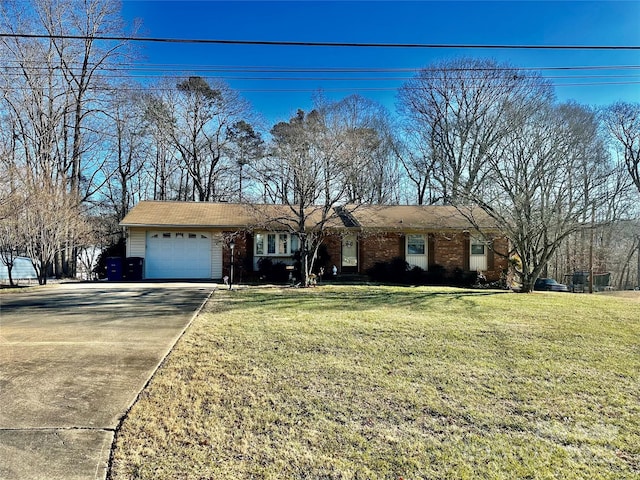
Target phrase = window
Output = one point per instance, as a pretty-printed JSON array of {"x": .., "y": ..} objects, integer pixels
[
  {"x": 179, "y": 235},
  {"x": 478, "y": 255},
  {"x": 276, "y": 244},
  {"x": 477, "y": 249},
  {"x": 415, "y": 245},
  {"x": 416, "y": 254},
  {"x": 193, "y": 235},
  {"x": 271, "y": 244},
  {"x": 166, "y": 235},
  {"x": 283, "y": 243},
  {"x": 259, "y": 244}
]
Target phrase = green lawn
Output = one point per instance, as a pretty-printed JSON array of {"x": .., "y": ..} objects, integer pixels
[{"x": 389, "y": 383}]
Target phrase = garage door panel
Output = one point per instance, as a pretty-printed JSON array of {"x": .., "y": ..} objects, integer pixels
[{"x": 178, "y": 255}]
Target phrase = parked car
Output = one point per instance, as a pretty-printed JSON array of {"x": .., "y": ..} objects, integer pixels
[{"x": 550, "y": 285}]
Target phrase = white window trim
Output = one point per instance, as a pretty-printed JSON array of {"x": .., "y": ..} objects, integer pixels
[
  {"x": 475, "y": 241},
  {"x": 478, "y": 261},
  {"x": 265, "y": 245},
  {"x": 425, "y": 240},
  {"x": 417, "y": 259}
]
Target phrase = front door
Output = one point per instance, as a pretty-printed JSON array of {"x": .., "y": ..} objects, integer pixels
[{"x": 350, "y": 254}]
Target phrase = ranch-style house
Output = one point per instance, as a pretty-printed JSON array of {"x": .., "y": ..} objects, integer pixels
[{"x": 191, "y": 240}]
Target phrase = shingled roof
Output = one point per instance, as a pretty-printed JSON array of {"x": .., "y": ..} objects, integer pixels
[
  {"x": 192, "y": 214},
  {"x": 417, "y": 217},
  {"x": 153, "y": 213},
  {"x": 241, "y": 216}
]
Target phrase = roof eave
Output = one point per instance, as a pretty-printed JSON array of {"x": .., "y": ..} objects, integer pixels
[{"x": 181, "y": 225}]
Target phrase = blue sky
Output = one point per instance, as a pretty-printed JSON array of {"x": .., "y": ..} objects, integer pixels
[{"x": 450, "y": 22}]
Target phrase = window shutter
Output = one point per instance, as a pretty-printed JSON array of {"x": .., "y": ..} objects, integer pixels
[
  {"x": 431, "y": 250},
  {"x": 490, "y": 258},
  {"x": 249, "y": 248},
  {"x": 466, "y": 251},
  {"x": 401, "y": 247}
]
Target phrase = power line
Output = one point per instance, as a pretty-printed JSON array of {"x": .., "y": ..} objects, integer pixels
[
  {"x": 318, "y": 44},
  {"x": 149, "y": 89},
  {"x": 133, "y": 73},
  {"x": 147, "y": 67}
]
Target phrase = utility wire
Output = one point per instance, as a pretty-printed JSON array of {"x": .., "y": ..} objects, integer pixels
[
  {"x": 128, "y": 67},
  {"x": 318, "y": 44},
  {"x": 290, "y": 69},
  {"x": 174, "y": 76},
  {"x": 147, "y": 89}
]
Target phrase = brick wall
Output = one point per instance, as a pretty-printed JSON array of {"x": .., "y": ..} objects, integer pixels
[
  {"x": 333, "y": 243},
  {"x": 449, "y": 250},
  {"x": 380, "y": 248},
  {"x": 500, "y": 258},
  {"x": 243, "y": 247}
]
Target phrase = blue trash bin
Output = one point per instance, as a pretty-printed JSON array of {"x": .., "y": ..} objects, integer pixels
[{"x": 114, "y": 269}]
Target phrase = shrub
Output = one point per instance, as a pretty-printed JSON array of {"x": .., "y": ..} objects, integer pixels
[
  {"x": 398, "y": 271},
  {"x": 462, "y": 278},
  {"x": 273, "y": 272},
  {"x": 436, "y": 275},
  {"x": 394, "y": 271},
  {"x": 416, "y": 276}
]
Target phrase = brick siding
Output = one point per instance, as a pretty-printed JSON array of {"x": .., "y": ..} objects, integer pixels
[
  {"x": 449, "y": 251},
  {"x": 380, "y": 248}
]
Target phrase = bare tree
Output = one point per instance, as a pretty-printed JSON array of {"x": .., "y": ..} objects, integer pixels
[
  {"x": 245, "y": 147},
  {"x": 12, "y": 199},
  {"x": 608, "y": 246},
  {"x": 498, "y": 144},
  {"x": 367, "y": 142},
  {"x": 127, "y": 150},
  {"x": 418, "y": 162},
  {"x": 51, "y": 220},
  {"x": 163, "y": 164},
  {"x": 203, "y": 115},
  {"x": 545, "y": 184},
  {"x": 307, "y": 172},
  {"x": 60, "y": 79},
  {"x": 11, "y": 209},
  {"x": 53, "y": 89},
  {"x": 623, "y": 123},
  {"x": 462, "y": 109}
]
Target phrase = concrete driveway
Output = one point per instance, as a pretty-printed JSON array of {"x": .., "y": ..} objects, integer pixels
[{"x": 73, "y": 359}]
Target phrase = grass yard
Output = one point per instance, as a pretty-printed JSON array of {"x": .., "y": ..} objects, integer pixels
[{"x": 387, "y": 383}]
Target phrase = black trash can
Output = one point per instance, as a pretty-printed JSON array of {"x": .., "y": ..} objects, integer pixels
[
  {"x": 133, "y": 268},
  {"x": 114, "y": 269}
]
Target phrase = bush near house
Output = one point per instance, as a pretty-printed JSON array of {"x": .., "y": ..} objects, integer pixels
[
  {"x": 399, "y": 272},
  {"x": 272, "y": 271}
]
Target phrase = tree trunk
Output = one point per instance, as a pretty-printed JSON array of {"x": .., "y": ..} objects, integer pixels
[
  {"x": 10, "y": 274},
  {"x": 41, "y": 271},
  {"x": 527, "y": 283}
]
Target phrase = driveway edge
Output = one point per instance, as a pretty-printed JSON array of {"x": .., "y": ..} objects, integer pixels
[{"x": 108, "y": 473}]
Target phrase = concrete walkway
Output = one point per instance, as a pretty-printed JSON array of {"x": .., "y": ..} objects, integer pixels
[{"x": 73, "y": 359}]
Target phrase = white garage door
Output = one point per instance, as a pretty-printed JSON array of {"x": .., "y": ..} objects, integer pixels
[{"x": 178, "y": 255}]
